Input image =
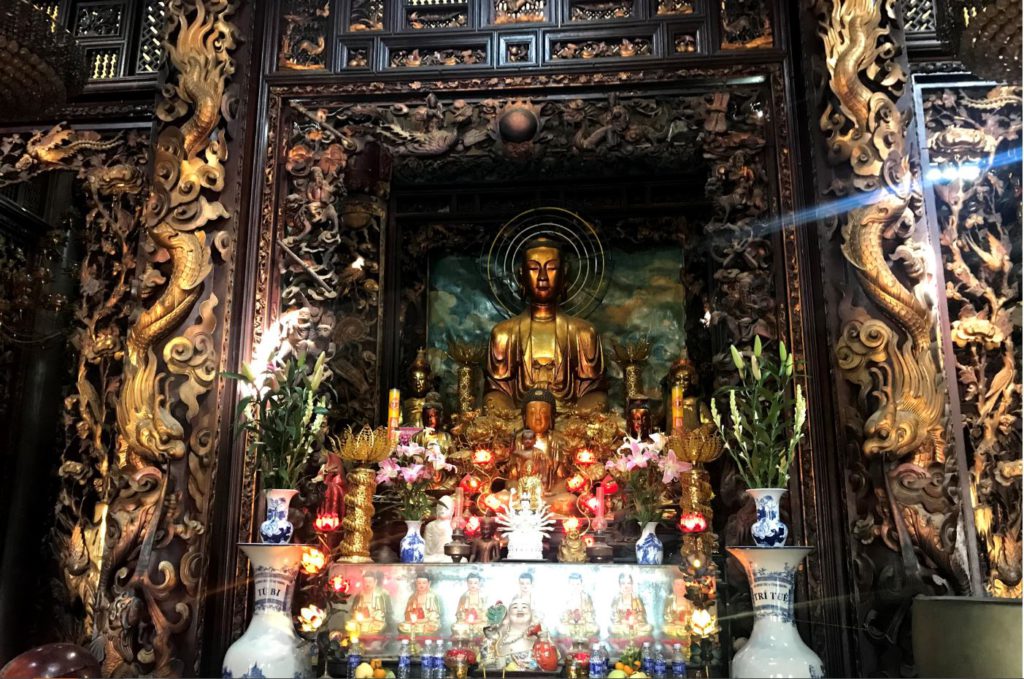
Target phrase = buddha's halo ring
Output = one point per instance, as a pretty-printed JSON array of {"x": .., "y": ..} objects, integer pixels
[{"x": 581, "y": 248}]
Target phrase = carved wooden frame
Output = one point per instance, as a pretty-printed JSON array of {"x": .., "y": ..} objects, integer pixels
[{"x": 825, "y": 576}]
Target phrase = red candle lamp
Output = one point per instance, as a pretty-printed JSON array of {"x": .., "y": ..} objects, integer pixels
[
  {"x": 470, "y": 484},
  {"x": 571, "y": 525},
  {"x": 338, "y": 584},
  {"x": 576, "y": 483},
  {"x": 492, "y": 502},
  {"x": 590, "y": 503},
  {"x": 611, "y": 486},
  {"x": 483, "y": 457},
  {"x": 585, "y": 457},
  {"x": 693, "y": 522},
  {"x": 327, "y": 522},
  {"x": 472, "y": 528}
]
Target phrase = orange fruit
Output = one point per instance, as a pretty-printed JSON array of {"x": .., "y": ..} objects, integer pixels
[{"x": 628, "y": 670}]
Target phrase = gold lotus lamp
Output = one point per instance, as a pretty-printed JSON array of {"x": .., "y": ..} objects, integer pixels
[
  {"x": 468, "y": 355},
  {"x": 698, "y": 447},
  {"x": 366, "y": 448}
]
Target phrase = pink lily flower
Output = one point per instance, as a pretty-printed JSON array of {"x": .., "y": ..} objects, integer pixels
[
  {"x": 413, "y": 473},
  {"x": 387, "y": 471},
  {"x": 672, "y": 467}
]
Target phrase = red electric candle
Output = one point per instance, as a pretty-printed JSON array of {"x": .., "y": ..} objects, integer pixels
[
  {"x": 693, "y": 522},
  {"x": 585, "y": 457},
  {"x": 576, "y": 483}
]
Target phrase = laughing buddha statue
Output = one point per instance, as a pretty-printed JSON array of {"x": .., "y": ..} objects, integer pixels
[{"x": 543, "y": 346}]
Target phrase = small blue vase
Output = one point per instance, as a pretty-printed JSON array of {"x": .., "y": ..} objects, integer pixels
[
  {"x": 277, "y": 529},
  {"x": 768, "y": 530},
  {"x": 412, "y": 547},
  {"x": 649, "y": 549}
]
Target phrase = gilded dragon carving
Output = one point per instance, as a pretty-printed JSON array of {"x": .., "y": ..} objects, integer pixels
[
  {"x": 154, "y": 558},
  {"x": 909, "y": 528}
]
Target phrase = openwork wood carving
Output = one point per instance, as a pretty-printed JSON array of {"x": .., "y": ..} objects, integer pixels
[
  {"x": 112, "y": 174},
  {"x": 154, "y": 559},
  {"x": 980, "y": 230},
  {"x": 910, "y": 535}
]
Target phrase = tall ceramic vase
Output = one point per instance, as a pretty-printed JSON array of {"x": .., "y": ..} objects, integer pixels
[
  {"x": 269, "y": 646},
  {"x": 649, "y": 549},
  {"x": 412, "y": 547},
  {"x": 775, "y": 648},
  {"x": 277, "y": 529},
  {"x": 768, "y": 529}
]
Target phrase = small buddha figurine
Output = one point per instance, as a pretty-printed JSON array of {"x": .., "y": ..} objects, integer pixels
[
  {"x": 423, "y": 610},
  {"x": 578, "y": 620},
  {"x": 685, "y": 409},
  {"x": 638, "y": 419},
  {"x": 438, "y": 532},
  {"x": 486, "y": 548},
  {"x": 543, "y": 345},
  {"x": 471, "y": 614},
  {"x": 432, "y": 421},
  {"x": 371, "y": 608},
  {"x": 677, "y": 613},
  {"x": 537, "y": 448},
  {"x": 513, "y": 643},
  {"x": 419, "y": 387},
  {"x": 629, "y": 615},
  {"x": 572, "y": 548}
]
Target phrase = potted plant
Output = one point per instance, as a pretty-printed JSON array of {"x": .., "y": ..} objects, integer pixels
[
  {"x": 645, "y": 467},
  {"x": 765, "y": 426},
  {"x": 407, "y": 474},
  {"x": 283, "y": 414}
]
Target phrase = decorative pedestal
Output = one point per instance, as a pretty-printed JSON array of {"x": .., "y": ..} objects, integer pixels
[
  {"x": 775, "y": 648},
  {"x": 355, "y": 546},
  {"x": 269, "y": 646}
]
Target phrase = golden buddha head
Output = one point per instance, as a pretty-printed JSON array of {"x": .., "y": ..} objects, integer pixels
[
  {"x": 539, "y": 411},
  {"x": 433, "y": 411},
  {"x": 684, "y": 374},
  {"x": 419, "y": 375},
  {"x": 542, "y": 271},
  {"x": 639, "y": 418}
]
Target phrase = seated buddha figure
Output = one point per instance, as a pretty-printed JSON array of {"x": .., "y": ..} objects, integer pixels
[
  {"x": 371, "y": 606},
  {"x": 537, "y": 465},
  {"x": 629, "y": 615},
  {"x": 677, "y": 613},
  {"x": 419, "y": 388},
  {"x": 422, "y": 611},
  {"x": 578, "y": 620},
  {"x": 471, "y": 613},
  {"x": 691, "y": 412},
  {"x": 543, "y": 345}
]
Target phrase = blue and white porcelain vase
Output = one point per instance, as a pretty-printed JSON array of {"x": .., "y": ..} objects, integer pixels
[
  {"x": 269, "y": 646},
  {"x": 775, "y": 648},
  {"x": 768, "y": 530},
  {"x": 649, "y": 550},
  {"x": 412, "y": 547},
  {"x": 277, "y": 529}
]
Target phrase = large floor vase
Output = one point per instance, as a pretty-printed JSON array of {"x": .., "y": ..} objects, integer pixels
[
  {"x": 269, "y": 646},
  {"x": 775, "y": 648}
]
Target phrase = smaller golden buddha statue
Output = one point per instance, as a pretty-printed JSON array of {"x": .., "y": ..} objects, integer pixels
[
  {"x": 629, "y": 615},
  {"x": 685, "y": 411},
  {"x": 533, "y": 467},
  {"x": 371, "y": 607},
  {"x": 638, "y": 419},
  {"x": 423, "y": 610},
  {"x": 578, "y": 621},
  {"x": 419, "y": 386},
  {"x": 471, "y": 614},
  {"x": 572, "y": 549},
  {"x": 432, "y": 421},
  {"x": 677, "y": 613}
]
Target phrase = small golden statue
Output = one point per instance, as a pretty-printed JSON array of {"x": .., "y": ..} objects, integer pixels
[
  {"x": 419, "y": 387},
  {"x": 422, "y": 611},
  {"x": 578, "y": 620},
  {"x": 371, "y": 607},
  {"x": 686, "y": 411},
  {"x": 536, "y": 461},
  {"x": 543, "y": 346},
  {"x": 677, "y": 613},
  {"x": 629, "y": 615},
  {"x": 638, "y": 419},
  {"x": 572, "y": 549},
  {"x": 432, "y": 421}
]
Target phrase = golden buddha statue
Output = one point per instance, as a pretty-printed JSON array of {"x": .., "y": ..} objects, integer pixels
[
  {"x": 537, "y": 466},
  {"x": 432, "y": 421},
  {"x": 543, "y": 346},
  {"x": 629, "y": 615},
  {"x": 419, "y": 388},
  {"x": 677, "y": 613},
  {"x": 578, "y": 620},
  {"x": 422, "y": 610},
  {"x": 685, "y": 411},
  {"x": 371, "y": 606}
]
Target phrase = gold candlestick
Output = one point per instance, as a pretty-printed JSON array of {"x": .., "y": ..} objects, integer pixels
[
  {"x": 359, "y": 451},
  {"x": 468, "y": 355}
]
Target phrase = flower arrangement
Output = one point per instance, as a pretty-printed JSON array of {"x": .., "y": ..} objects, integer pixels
[
  {"x": 766, "y": 422},
  {"x": 283, "y": 412},
  {"x": 645, "y": 468},
  {"x": 407, "y": 474}
]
